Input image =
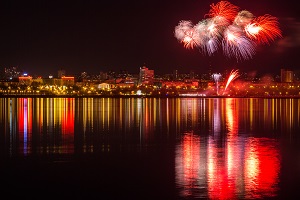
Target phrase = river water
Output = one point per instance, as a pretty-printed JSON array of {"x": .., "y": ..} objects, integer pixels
[{"x": 150, "y": 148}]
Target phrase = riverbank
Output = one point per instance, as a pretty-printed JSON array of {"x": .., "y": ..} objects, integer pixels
[{"x": 141, "y": 96}]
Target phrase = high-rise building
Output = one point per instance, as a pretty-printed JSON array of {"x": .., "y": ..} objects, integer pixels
[
  {"x": 192, "y": 75},
  {"x": 61, "y": 73},
  {"x": 175, "y": 74},
  {"x": 287, "y": 76},
  {"x": 146, "y": 76}
]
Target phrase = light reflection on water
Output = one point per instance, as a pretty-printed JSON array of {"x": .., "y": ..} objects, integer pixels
[
  {"x": 246, "y": 168},
  {"x": 232, "y": 166},
  {"x": 224, "y": 148}
]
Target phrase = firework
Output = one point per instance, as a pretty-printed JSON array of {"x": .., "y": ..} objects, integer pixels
[
  {"x": 208, "y": 41},
  {"x": 233, "y": 75},
  {"x": 243, "y": 18},
  {"x": 186, "y": 34},
  {"x": 236, "y": 44},
  {"x": 190, "y": 40},
  {"x": 183, "y": 27},
  {"x": 264, "y": 29},
  {"x": 224, "y": 9},
  {"x": 236, "y": 32}
]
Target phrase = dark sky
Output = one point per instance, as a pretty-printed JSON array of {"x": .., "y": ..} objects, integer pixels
[{"x": 42, "y": 36}]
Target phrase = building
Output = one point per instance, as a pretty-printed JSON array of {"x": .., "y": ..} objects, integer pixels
[
  {"x": 175, "y": 74},
  {"x": 192, "y": 74},
  {"x": 68, "y": 80},
  {"x": 105, "y": 86},
  {"x": 61, "y": 73},
  {"x": 146, "y": 76},
  {"x": 63, "y": 81},
  {"x": 287, "y": 76},
  {"x": 25, "y": 80}
]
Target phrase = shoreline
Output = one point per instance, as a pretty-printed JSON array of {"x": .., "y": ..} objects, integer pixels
[{"x": 144, "y": 96}]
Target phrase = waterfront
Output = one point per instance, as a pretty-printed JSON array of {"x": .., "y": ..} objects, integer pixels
[{"x": 150, "y": 148}]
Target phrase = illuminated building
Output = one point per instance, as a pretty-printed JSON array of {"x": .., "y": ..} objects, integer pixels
[
  {"x": 180, "y": 84},
  {"x": 104, "y": 86},
  {"x": 68, "y": 80},
  {"x": 146, "y": 76},
  {"x": 125, "y": 83},
  {"x": 38, "y": 80},
  {"x": 25, "y": 80},
  {"x": 287, "y": 76},
  {"x": 175, "y": 74},
  {"x": 192, "y": 74}
]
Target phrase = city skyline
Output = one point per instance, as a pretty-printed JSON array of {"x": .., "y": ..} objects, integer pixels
[
  {"x": 15, "y": 73},
  {"x": 43, "y": 37}
]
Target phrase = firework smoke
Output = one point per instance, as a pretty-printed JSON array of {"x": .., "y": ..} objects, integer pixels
[{"x": 236, "y": 32}]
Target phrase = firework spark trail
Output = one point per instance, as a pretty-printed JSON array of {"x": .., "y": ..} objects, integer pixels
[
  {"x": 233, "y": 75},
  {"x": 237, "y": 32}
]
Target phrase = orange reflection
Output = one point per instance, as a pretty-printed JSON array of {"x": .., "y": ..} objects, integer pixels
[
  {"x": 231, "y": 115},
  {"x": 59, "y": 112}
]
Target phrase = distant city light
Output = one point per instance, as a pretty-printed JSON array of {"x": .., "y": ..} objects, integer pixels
[{"x": 139, "y": 92}]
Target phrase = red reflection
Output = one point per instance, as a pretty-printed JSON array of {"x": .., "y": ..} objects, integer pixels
[
  {"x": 220, "y": 183},
  {"x": 68, "y": 118},
  {"x": 188, "y": 164},
  {"x": 223, "y": 161},
  {"x": 25, "y": 124},
  {"x": 21, "y": 106},
  {"x": 262, "y": 165},
  {"x": 68, "y": 124}
]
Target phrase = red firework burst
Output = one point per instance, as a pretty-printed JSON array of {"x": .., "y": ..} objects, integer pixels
[
  {"x": 223, "y": 9},
  {"x": 190, "y": 39},
  {"x": 265, "y": 29}
]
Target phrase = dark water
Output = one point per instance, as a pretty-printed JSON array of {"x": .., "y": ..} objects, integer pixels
[{"x": 150, "y": 148}]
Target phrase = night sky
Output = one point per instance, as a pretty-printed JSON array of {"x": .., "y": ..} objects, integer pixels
[{"x": 42, "y": 37}]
